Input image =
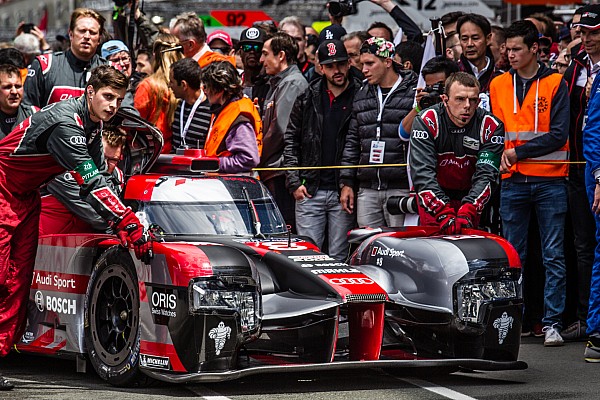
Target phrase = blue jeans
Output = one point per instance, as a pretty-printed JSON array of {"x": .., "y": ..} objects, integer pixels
[
  {"x": 593, "y": 317},
  {"x": 549, "y": 200},
  {"x": 323, "y": 211}
]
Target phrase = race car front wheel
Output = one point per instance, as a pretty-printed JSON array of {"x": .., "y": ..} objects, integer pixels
[{"x": 112, "y": 319}]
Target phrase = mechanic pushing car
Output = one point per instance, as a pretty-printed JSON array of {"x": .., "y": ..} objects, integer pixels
[
  {"x": 62, "y": 136},
  {"x": 455, "y": 150}
]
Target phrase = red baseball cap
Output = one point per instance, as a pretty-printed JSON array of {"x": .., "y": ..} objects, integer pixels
[{"x": 219, "y": 34}]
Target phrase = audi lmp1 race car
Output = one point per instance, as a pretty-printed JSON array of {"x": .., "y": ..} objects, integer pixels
[{"x": 229, "y": 292}]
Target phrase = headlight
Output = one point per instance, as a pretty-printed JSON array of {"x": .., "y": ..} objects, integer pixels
[
  {"x": 471, "y": 296},
  {"x": 209, "y": 296}
]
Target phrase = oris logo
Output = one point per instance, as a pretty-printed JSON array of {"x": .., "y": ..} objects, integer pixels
[
  {"x": 497, "y": 139},
  {"x": 420, "y": 135},
  {"x": 351, "y": 281},
  {"x": 77, "y": 140}
]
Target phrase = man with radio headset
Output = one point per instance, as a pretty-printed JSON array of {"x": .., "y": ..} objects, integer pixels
[{"x": 455, "y": 151}]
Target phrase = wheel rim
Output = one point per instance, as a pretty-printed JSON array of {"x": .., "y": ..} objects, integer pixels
[{"x": 114, "y": 315}]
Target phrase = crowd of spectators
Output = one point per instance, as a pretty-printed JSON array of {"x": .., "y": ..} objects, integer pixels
[{"x": 284, "y": 95}]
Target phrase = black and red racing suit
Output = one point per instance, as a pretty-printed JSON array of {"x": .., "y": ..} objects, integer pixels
[
  {"x": 453, "y": 165},
  {"x": 59, "y": 137},
  {"x": 59, "y": 76}
]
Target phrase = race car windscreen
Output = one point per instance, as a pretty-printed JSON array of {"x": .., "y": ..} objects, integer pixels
[
  {"x": 220, "y": 205},
  {"x": 214, "y": 218}
]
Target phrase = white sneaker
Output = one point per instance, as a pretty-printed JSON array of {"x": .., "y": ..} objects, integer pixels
[{"x": 552, "y": 337}]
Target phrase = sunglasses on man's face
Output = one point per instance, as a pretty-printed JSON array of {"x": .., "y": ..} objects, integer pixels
[{"x": 252, "y": 47}]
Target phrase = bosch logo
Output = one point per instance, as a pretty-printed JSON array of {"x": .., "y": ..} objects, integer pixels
[
  {"x": 252, "y": 33},
  {"x": 497, "y": 140},
  {"x": 77, "y": 140},
  {"x": 351, "y": 281},
  {"x": 39, "y": 301},
  {"x": 420, "y": 135}
]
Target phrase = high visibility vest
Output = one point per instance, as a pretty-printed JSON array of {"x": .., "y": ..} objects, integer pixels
[
  {"x": 520, "y": 126},
  {"x": 222, "y": 123}
]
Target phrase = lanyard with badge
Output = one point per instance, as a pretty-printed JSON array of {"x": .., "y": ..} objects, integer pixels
[
  {"x": 378, "y": 146},
  {"x": 184, "y": 129},
  {"x": 591, "y": 73}
]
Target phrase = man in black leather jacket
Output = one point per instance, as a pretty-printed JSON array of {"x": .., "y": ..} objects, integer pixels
[{"x": 315, "y": 136}]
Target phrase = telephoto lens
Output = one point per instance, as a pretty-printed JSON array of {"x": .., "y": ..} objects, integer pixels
[{"x": 397, "y": 205}]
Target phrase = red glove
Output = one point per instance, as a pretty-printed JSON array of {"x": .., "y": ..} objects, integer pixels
[
  {"x": 130, "y": 230},
  {"x": 466, "y": 217},
  {"x": 446, "y": 218}
]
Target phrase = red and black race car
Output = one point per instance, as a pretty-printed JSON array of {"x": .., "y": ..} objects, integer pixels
[{"x": 229, "y": 292}]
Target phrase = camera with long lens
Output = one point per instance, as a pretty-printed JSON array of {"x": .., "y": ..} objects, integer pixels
[
  {"x": 343, "y": 7},
  {"x": 433, "y": 96},
  {"x": 397, "y": 205}
]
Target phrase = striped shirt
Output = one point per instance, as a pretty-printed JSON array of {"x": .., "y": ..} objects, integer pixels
[{"x": 198, "y": 129}]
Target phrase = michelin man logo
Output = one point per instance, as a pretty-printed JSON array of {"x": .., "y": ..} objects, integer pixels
[
  {"x": 220, "y": 334},
  {"x": 503, "y": 324}
]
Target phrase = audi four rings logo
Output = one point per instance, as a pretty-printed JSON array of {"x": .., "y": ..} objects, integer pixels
[
  {"x": 77, "y": 140},
  {"x": 351, "y": 281},
  {"x": 497, "y": 139},
  {"x": 420, "y": 135}
]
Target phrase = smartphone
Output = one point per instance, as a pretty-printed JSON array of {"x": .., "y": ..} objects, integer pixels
[{"x": 27, "y": 28}]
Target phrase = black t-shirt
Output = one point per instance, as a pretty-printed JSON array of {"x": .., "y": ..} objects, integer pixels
[
  {"x": 334, "y": 109},
  {"x": 7, "y": 123}
]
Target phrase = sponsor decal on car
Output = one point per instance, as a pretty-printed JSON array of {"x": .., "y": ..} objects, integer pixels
[
  {"x": 351, "y": 281},
  {"x": 156, "y": 362},
  {"x": 220, "y": 334},
  {"x": 312, "y": 258},
  {"x": 388, "y": 252},
  {"x": 503, "y": 324},
  {"x": 163, "y": 303},
  {"x": 334, "y": 271},
  {"x": 56, "y": 304},
  {"x": 27, "y": 337}
]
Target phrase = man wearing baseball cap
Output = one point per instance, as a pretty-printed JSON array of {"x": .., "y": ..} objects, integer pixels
[
  {"x": 315, "y": 136},
  {"x": 255, "y": 84},
  {"x": 585, "y": 128},
  {"x": 118, "y": 55},
  {"x": 373, "y": 136},
  {"x": 220, "y": 41}
]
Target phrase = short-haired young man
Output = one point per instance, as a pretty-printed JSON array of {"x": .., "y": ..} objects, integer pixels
[
  {"x": 455, "y": 157},
  {"x": 373, "y": 137},
  {"x": 533, "y": 102},
  {"x": 315, "y": 137},
  {"x": 192, "y": 116},
  {"x": 65, "y": 136}
]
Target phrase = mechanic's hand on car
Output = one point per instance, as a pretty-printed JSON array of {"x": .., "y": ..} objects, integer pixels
[
  {"x": 446, "y": 219},
  {"x": 131, "y": 231},
  {"x": 465, "y": 217}
]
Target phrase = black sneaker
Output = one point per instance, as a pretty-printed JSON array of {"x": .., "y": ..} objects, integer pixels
[
  {"x": 575, "y": 331},
  {"x": 5, "y": 384},
  {"x": 592, "y": 350}
]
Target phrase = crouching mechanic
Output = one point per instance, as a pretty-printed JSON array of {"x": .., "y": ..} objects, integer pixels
[
  {"x": 455, "y": 151},
  {"x": 62, "y": 136}
]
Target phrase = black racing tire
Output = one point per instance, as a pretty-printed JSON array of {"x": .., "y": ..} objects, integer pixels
[{"x": 112, "y": 323}]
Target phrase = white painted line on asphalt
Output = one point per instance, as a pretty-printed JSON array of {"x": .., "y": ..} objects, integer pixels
[
  {"x": 441, "y": 390},
  {"x": 206, "y": 393}
]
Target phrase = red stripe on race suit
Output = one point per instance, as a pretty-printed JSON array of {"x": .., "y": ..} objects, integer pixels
[
  {"x": 163, "y": 350},
  {"x": 109, "y": 200},
  {"x": 60, "y": 282}
]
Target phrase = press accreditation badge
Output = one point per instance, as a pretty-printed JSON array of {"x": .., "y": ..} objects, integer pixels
[{"x": 377, "y": 152}]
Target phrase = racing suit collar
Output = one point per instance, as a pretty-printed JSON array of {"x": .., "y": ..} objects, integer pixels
[
  {"x": 76, "y": 61},
  {"x": 452, "y": 128},
  {"x": 90, "y": 127}
]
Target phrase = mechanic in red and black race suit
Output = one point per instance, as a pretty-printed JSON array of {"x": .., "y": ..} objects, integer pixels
[
  {"x": 60, "y": 76},
  {"x": 64, "y": 136},
  {"x": 455, "y": 150}
]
